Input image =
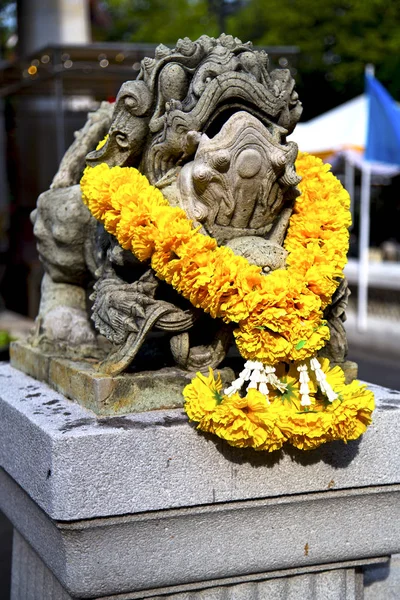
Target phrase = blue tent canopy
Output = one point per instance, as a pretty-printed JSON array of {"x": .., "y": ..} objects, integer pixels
[{"x": 383, "y": 129}]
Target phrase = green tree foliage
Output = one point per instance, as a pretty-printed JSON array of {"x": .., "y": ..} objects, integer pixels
[
  {"x": 336, "y": 38},
  {"x": 159, "y": 21}
]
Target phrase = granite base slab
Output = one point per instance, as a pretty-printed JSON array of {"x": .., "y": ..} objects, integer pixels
[{"x": 33, "y": 580}]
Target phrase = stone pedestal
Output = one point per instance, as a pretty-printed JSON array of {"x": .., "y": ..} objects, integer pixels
[{"x": 143, "y": 506}]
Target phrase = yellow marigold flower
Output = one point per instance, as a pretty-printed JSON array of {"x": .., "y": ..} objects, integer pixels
[
  {"x": 351, "y": 414},
  {"x": 306, "y": 430},
  {"x": 129, "y": 194},
  {"x": 102, "y": 142},
  {"x": 261, "y": 344},
  {"x": 111, "y": 221},
  {"x": 316, "y": 339},
  {"x": 95, "y": 186},
  {"x": 246, "y": 422},
  {"x": 202, "y": 395}
]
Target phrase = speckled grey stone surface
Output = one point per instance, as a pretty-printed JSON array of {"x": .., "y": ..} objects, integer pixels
[
  {"x": 329, "y": 585},
  {"x": 77, "y": 466},
  {"x": 31, "y": 578},
  {"x": 145, "y": 506}
]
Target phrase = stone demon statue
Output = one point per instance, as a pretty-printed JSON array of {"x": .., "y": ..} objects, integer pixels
[{"x": 206, "y": 122}]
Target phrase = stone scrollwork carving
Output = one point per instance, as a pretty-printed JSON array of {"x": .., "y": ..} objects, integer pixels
[
  {"x": 125, "y": 313},
  {"x": 206, "y": 122},
  {"x": 336, "y": 349},
  {"x": 193, "y": 88}
]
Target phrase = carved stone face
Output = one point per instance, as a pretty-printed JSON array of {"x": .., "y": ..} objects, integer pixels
[
  {"x": 61, "y": 229},
  {"x": 237, "y": 182}
]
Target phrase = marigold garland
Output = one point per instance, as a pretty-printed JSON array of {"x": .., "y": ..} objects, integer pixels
[{"x": 279, "y": 316}]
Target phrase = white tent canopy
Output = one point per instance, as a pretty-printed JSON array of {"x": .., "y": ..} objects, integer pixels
[
  {"x": 341, "y": 131},
  {"x": 342, "y": 128}
]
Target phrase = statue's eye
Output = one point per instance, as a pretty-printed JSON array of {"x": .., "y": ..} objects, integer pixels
[
  {"x": 209, "y": 76},
  {"x": 130, "y": 102}
]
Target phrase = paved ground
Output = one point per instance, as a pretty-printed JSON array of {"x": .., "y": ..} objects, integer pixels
[
  {"x": 377, "y": 368},
  {"x": 374, "y": 366}
]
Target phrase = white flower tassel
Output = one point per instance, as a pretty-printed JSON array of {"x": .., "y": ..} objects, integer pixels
[
  {"x": 320, "y": 376},
  {"x": 304, "y": 387},
  {"x": 234, "y": 387},
  {"x": 258, "y": 376},
  {"x": 273, "y": 380},
  {"x": 256, "y": 367}
]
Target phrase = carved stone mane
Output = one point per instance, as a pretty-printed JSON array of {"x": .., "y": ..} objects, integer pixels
[{"x": 190, "y": 90}]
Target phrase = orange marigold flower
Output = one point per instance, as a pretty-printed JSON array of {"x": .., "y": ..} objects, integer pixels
[{"x": 351, "y": 413}]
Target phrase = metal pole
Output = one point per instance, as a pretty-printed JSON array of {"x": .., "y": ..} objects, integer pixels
[
  {"x": 364, "y": 229},
  {"x": 362, "y": 315}
]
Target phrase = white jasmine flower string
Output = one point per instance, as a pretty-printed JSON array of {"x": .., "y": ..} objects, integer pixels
[{"x": 258, "y": 376}]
